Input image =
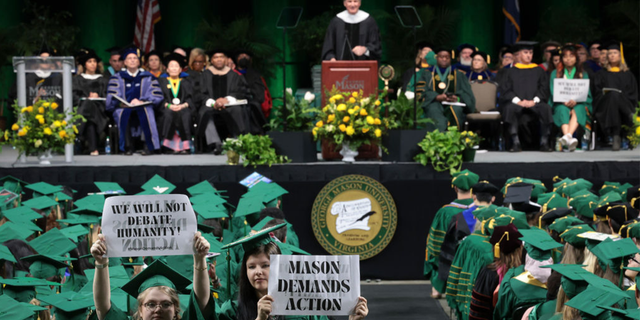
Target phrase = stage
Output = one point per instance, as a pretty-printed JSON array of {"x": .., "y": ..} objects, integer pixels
[{"x": 418, "y": 191}]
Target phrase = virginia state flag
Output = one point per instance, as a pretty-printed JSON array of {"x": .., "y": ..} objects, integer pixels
[{"x": 511, "y": 10}]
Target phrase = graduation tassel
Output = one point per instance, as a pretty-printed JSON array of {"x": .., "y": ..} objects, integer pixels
[
  {"x": 622, "y": 53},
  {"x": 496, "y": 248},
  {"x": 488, "y": 59}
]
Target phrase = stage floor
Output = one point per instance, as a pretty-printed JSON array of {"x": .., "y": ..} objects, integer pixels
[{"x": 9, "y": 155}]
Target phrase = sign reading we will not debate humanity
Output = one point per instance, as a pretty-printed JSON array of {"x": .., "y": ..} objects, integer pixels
[
  {"x": 136, "y": 226},
  {"x": 314, "y": 285}
]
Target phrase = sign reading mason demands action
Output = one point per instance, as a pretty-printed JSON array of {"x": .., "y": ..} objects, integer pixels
[
  {"x": 354, "y": 214},
  {"x": 314, "y": 285},
  {"x": 150, "y": 225},
  {"x": 570, "y": 89}
]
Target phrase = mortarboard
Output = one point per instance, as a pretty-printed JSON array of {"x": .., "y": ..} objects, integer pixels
[
  {"x": 13, "y": 184},
  {"x": 632, "y": 313},
  {"x": 538, "y": 186},
  {"x": 44, "y": 266},
  {"x": 249, "y": 205},
  {"x": 11, "y": 230},
  {"x": 70, "y": 305},
  {"x": 40, "y": 203},
  {"x": 156, "y": 274},
  {"x": 589, "y": 300},
  {"x": 288, "y": 249},
  {"x": 269, "y": 191},
  {"x": 211, "y": 199},
  {"x": 5, "y": 254},
  {"x": 159, "y": 185},
  {"x": 538, "y": 244},
  {"x": 259, "y": 238},
  {"x": 109, "y": 187},
  {"x": 52, "y": 242},
  {"x": 201, "y": 187},
  {"x": 23, "y": 289},
  {"x": 464, "y": 179},
  {"x": 42, "y": 189},
  {"x": 208, "y": 211},
  {"x": 24, "y": 216},
  {"x": 12, "y": 309},
  {"x": 614, "y": 254},
  {"x": 75, "y": 232}
]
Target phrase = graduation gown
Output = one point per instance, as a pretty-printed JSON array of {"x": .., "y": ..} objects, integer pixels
[
  {"x": 480, "y": 76},
  {"x": 192, "y": 312},
  {"x": 436, "y": 238},
  {"x": 92, "y": 110},
  {"x": 229, "y": 311},
  {"x": 561, "y": 113},
  {"x": 482, "y": 296},
  {"x": 428, "y": 87},
  {"x": 614, "y": 109},
  {"x": 518, "y": 288},
  {"x": 51, "y": 84},
  {"x": 171, "y": 120},
  {"x": 525, "y": 82},
  {"x": 360, "y": 29}
]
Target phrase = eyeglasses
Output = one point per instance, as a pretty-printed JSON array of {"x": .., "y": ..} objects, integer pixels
[{"x": 151, "y": 306}]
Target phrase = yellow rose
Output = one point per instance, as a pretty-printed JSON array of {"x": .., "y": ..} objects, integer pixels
[
  {"x": 38, "y": 143},
  {"x": 6, "y": 135},
  {"x": 23, "y": 110},
  {"x": 15, "y": 127},
  {"x": 46, "y": 104},
  {"x": 346, "y": 119},
  {"x": 75, "y": 129},
  {"x": 54, "y": 106},
  {"x": 64, "y": 123},
  {"x": 378, "y": 133},
  {"x": 377, "y": 122},
  {"x": 363, "y": 112},
  {"x": 342, "y": 127},
  {"x": 365, "y": 130},
  {"x": 56, "y": 124},
  {"x": 331, "y": 117},
  {"x": 356, "y": 108},
  {"x": 47, "y": 131},
  {"x": 332, "y": 100},
  {"x": 377, "y": 102},
  {"x": 325, "y": 109},
  {"x": 41, "y": 110},
  {"x": 351, "y": 111},
  {"x": 62, "y": 134},
  {"x": 30, "y": 108},
  {"x": 350, "y": 131},
  {"x": 337, "y": 97},
  {"x": 26, "y": 128},
  {"x": 319, "y": 124},
  {"x": 39, "y": 116},
  {"x": 342, "y": 107},
  {"x": 315, "y": 131},
  {"x": 637, "y": 119},
  {"x": 41, "y": 120},
  {"x": 355, "y": 94},
  {"x": 467, "y": 140},
  {"x": 22, "y": 133},
  {"x": 370, "y": 120},
  {"x": 352, "y": 100},
  {"x": 638, "y": 131}
]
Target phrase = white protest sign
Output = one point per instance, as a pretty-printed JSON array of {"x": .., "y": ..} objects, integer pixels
[
  {"x": 570, "y": 89},
  {"x": 150, "y": 225},
  {"x": 352, "y": 214},
  {"x": 314, "y": 285}
]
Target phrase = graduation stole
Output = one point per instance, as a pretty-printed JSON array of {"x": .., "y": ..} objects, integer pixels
[
  {"x": 440, "y": 78},
  {"x": 525, "y": 66},
  {"x": 570, "y": 75},
  {"x": 174, "y": 85}
]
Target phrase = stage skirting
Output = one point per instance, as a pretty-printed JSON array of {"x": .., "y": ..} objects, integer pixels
[{"x": 417, "y": 191}]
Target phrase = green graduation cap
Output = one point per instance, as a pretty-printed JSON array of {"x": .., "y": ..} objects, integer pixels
[
  {"x": 11, "y": 230},
  {"x": 207, "y": 211},
  {"x": 156, "y": 274},
  {"x": 24, "y": 216},
  {"x": 44, "y": 266},
  {"x": 43, "y": 189},
  {"x": 40, "y": 203},
  {"x": 615, "y": 254},
  {"x": 61, "y": 196},
  {"x": 91, "y": 204},
  {"x": 571, "y": 235},
  {"x": 538, "y": 186},
  {"x": 5, "y": 254},
  {"x": 609, "y": 186},
  {"x": 52, "y": 242},
  {"x": 587, "y": 301},
  {"x": 248, "y": 205},
  {"x": 631, "y": 230},
  {"x": 288, "y": 249},
  {"x": 158, "y": 185},
  {"x": 270, "y": 192},
  {"x": 595, "y": 238},
  {"x": 538, "y": 244},
  {"x": 13, "y": 184},
  {"x": 118, "y": 276},
  {"x": 551, "y": 200},
  {"x": 70, "y": 305},
  {"x": 258, "y": 226},
  {"x": 608, "y": 198},
  {"x": 23, "y": 289},
  {"x": 577, "y": 185},
  {"x": 202, "y": 187},
  {"x": 208, "y": 198},
  {"x": 574, "y": 278},
  {"x": 584, "y": 202},
  {"x": 110, "y": 188},
  {"x": 11, "y": 309},
  {"x": 81, "y": 219},
  {"x": 561, "y": 224},
  {"x": 551, "y": 215},
  {"x": 633, "y": 314},
  {"x": 464, "y": 179},
  {"x": 75, "y": 232},
  {"x": 259, "y": 238}
]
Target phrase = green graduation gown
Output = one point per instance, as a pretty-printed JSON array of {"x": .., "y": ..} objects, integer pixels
[
  {"x": 192, "y": 311},
  {"x": 518, "y": 288},
  {"x": 229, "y": 311},
  {"x": 561, "y": 113}
]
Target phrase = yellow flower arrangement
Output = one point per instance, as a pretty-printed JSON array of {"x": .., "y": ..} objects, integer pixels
[
  {"x": 346, "y": 119},
  {"x": 47, "y": 131},
  {"x": 331, "y": 117},
  {"x": 15, "y": 127},
  {"x": 633, "y": 131}
]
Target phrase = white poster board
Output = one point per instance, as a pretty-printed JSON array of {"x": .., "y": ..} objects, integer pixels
[
  {"x": 314, "y": 285},
  {"x": 570, "y": 89},
  {"x": 149, "y": 225}
]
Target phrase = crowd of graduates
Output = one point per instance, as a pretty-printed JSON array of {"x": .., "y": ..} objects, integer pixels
[
  {"x": 570, "y": 251},
  {"x": 53, "y": 260}
]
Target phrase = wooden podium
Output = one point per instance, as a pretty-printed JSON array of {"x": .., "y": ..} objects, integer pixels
[{"x": 349, "y": 76}]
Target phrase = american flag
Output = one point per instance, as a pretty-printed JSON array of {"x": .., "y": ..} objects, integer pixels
[{"x": 147, "y": 15}]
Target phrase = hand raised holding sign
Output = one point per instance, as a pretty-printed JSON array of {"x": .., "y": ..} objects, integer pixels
[
  {"x": 200, "y": 246},
  {"x": 361, "y": 310},
  {"x": 99, "y": 249},
  {"x": 264, "y": 307}
]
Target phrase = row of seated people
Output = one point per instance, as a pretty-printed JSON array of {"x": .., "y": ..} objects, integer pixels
[
  {"x": 525, "y": 90},
  {"x": 546, "y": 254}
]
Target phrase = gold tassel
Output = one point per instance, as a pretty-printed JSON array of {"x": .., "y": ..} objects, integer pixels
[
  {"x": 496, "y": 250},
  {"x": 622, "y": 53},
  {"x": 556, "y": 178},
  {"x": 488, "y": 59},
  {"x": 453, "y": 54}
]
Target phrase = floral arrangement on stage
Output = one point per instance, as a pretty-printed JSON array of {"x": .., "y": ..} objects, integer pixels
[
  {"x": 254, "y": 149},
  {"x": 401, "y": 112},
  {"x": 351, "y": 119},
  {"x": 634, "y": 131},
  {"x": 41, "y": 128},
  {"x": 299, "y": 114},
  {"x": 444, "y": 150}
]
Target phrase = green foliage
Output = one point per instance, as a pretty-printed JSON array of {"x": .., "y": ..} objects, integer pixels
[
  {"x": 401, "y": 114},
  {"x": 300, "y": 115},
  {"x": 634, "y": 131},
  {"x": 241, "y": 34},
  {"x": 45, "y": 25},
  {"x": 255, "y": 150},
  {"x": 442, "y": 149}
]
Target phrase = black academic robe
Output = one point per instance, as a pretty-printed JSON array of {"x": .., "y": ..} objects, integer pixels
[
  {"x": 256, "y": 97},
  {"x": 170, "y": 121},
  {"x": 480, "y": 76},
  {"x": 368, "y": 35},
  {"x": 195, "y": 77},
  {"x": 94, "y": 111},
  {"x": 482, "y": 296},
  {"x": 614, "y": 109},
  {"x": 52, "y": 85}
]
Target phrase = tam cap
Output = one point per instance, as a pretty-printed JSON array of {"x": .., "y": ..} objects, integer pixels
[
  {"x": 180, "y": 59},
  {"x": 609, "y": 186},
  {"x": 257, "y": 239},
  {"x": 538, "y": 244},
  {"x": 571, "y": 235},
  {"x": 551, "y": 215},
  {"x": 525, "y": 45},
  {"x": 464, "y": 179},
  {"x": 466, "y": 46},
  {"x": 561, "y": 224},
  {"x": 155, "y": 275},
  {"x": 129, "y": 50},
  {"x": 631, "y": 229},
  {"x": 505, "y": 239},
  {"x": 484, "y": 56},
  {"x": 484, "y": 187},
  {"x": 633, "y": 196},
  {"x": 538, "y": 186},
  {"x": 618, "y": 211},
  {"x": 551, "y": 200}
]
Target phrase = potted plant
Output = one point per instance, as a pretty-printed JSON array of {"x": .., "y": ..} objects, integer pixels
[
  {"x": 633, "y": 131},
  {"x": 295, "y": 139},
  {"x": 41, "y": 129},
  {"x": 349, "y": 122},
  {"x": 442, "y": 149},
  {"x": 254, "y": 149},
  {"x": 402, "y": 141},
  {"x": 471, "y": 141}
]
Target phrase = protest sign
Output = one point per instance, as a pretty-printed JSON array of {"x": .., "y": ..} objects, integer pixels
[
  {"x": 150, "y": 225},
  {"x": 314, "y": 285},
  {"x": 570, "y": 89}
]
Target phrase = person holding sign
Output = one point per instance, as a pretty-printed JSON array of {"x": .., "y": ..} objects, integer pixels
[
  {"x": 615, "y": 94},
  {"x": 254, "y": 302},
  {"x": 178, "y": 105},
  {"x": 156, "y": 288},
  {"x": 568, "y": 115}
]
